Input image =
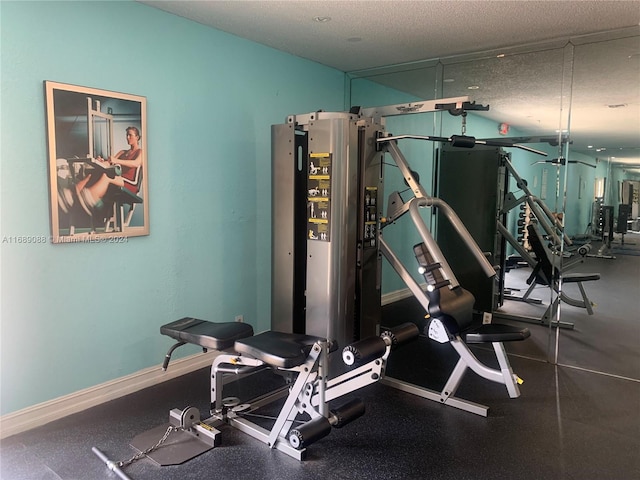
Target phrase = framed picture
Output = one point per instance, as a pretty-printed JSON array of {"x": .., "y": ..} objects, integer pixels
[{"x": 97, "y": 164}]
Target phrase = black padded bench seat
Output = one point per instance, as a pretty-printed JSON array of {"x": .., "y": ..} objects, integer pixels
[
  {"x": 495, "y": 332},
  {"x": 285, "y": 350},
  {"x": 216, "y": 336},
  {"x": 579, "y": 277}
]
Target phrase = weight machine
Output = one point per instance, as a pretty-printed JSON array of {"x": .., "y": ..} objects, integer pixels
[
  {"x": 549, "y": 264},
  {"x": 498, "y": 190},
  {"x": 327, "y": 253},
  {"x": 302, "y": 363},
  {"x": 327, "y": 248}
]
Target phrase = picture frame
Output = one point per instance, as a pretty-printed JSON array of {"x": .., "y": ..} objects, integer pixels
[{"x": 97, "y": 162}]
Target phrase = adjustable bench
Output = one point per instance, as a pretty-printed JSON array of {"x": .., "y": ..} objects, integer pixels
[
  {"x": 547, "y": 272},
  {"x": 301, "y": 359}
]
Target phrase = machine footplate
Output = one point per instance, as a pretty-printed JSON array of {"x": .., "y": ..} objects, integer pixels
[{"x": 179, "y": 447}]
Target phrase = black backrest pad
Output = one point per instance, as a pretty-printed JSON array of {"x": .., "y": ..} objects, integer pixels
[
  {"x": 216, "y": 336},
  {"x": 454, "y": 307},
  {"x": 546, "y": 268},
  {"x": 542, "y": 256}
]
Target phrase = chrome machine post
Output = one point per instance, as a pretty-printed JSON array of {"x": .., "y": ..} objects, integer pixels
[{"x": 326, "y": 205}]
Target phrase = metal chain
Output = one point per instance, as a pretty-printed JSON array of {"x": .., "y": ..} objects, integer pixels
[{"x": 138, "y": 456}]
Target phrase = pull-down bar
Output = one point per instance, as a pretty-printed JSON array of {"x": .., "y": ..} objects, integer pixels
[{"x": 463, "y": 141}]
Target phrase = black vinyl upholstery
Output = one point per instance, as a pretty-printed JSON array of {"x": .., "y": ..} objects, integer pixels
[
  {"x": 278, "y": 349},
  {"x": 454, "y": 307},
  {"x": 545, "y": 271},
  {"x": 495, "y": 332},
  {"x": 216, "y": 336}
]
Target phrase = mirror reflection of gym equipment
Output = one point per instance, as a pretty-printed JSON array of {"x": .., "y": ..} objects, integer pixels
[
  {"x": 490, "y": 174},
  {"x": 581, "y": 347}
]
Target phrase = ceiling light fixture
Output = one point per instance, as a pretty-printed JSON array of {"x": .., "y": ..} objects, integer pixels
[
  {"x": 448, "y": 80},
  {"x": 321, "y": 19},
  {"x": 473, "y": 87}
]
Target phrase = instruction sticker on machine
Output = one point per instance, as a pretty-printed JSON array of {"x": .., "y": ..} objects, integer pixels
[
  {"x": 319, "y": 196},
  {"x": 370, "y": 215}
]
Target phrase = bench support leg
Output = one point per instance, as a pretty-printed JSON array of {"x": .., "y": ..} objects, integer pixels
[
  {"x": 423, "y": 392},
  {"x": 507, "y": 373},
  {"x": 466, "y": 361}
]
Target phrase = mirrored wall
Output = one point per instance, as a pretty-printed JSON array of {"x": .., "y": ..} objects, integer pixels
[
  {"x": 602, "y": 204},
  {"x": 572, "y": 110}
]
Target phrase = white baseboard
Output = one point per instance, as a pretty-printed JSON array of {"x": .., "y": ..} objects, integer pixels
[
  {"x": 42, "y": 413},
  {"x": 391, "y": 297}
]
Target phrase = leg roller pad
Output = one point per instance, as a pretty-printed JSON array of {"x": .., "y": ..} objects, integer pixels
[
  {"x": 348, "y": 412},
  {"x": 309, "y": 432},
  {"x": 364, "y": 350}
]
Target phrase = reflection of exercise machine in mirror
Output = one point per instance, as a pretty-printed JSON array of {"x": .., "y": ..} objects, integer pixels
[
  {"x": 607, "y": 223},
  {"x": 539, "y": 227},
  {"x": 499, "y": 191},
  {"x": 102, "y": 186}
]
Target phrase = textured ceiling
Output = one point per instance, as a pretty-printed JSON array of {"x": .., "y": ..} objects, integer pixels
[
  {"x": 363, "y": 34},
  {"x": 393, "y": 32}
]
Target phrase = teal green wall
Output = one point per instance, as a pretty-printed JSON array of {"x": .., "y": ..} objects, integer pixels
[{"x": 74, "y": 316}]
